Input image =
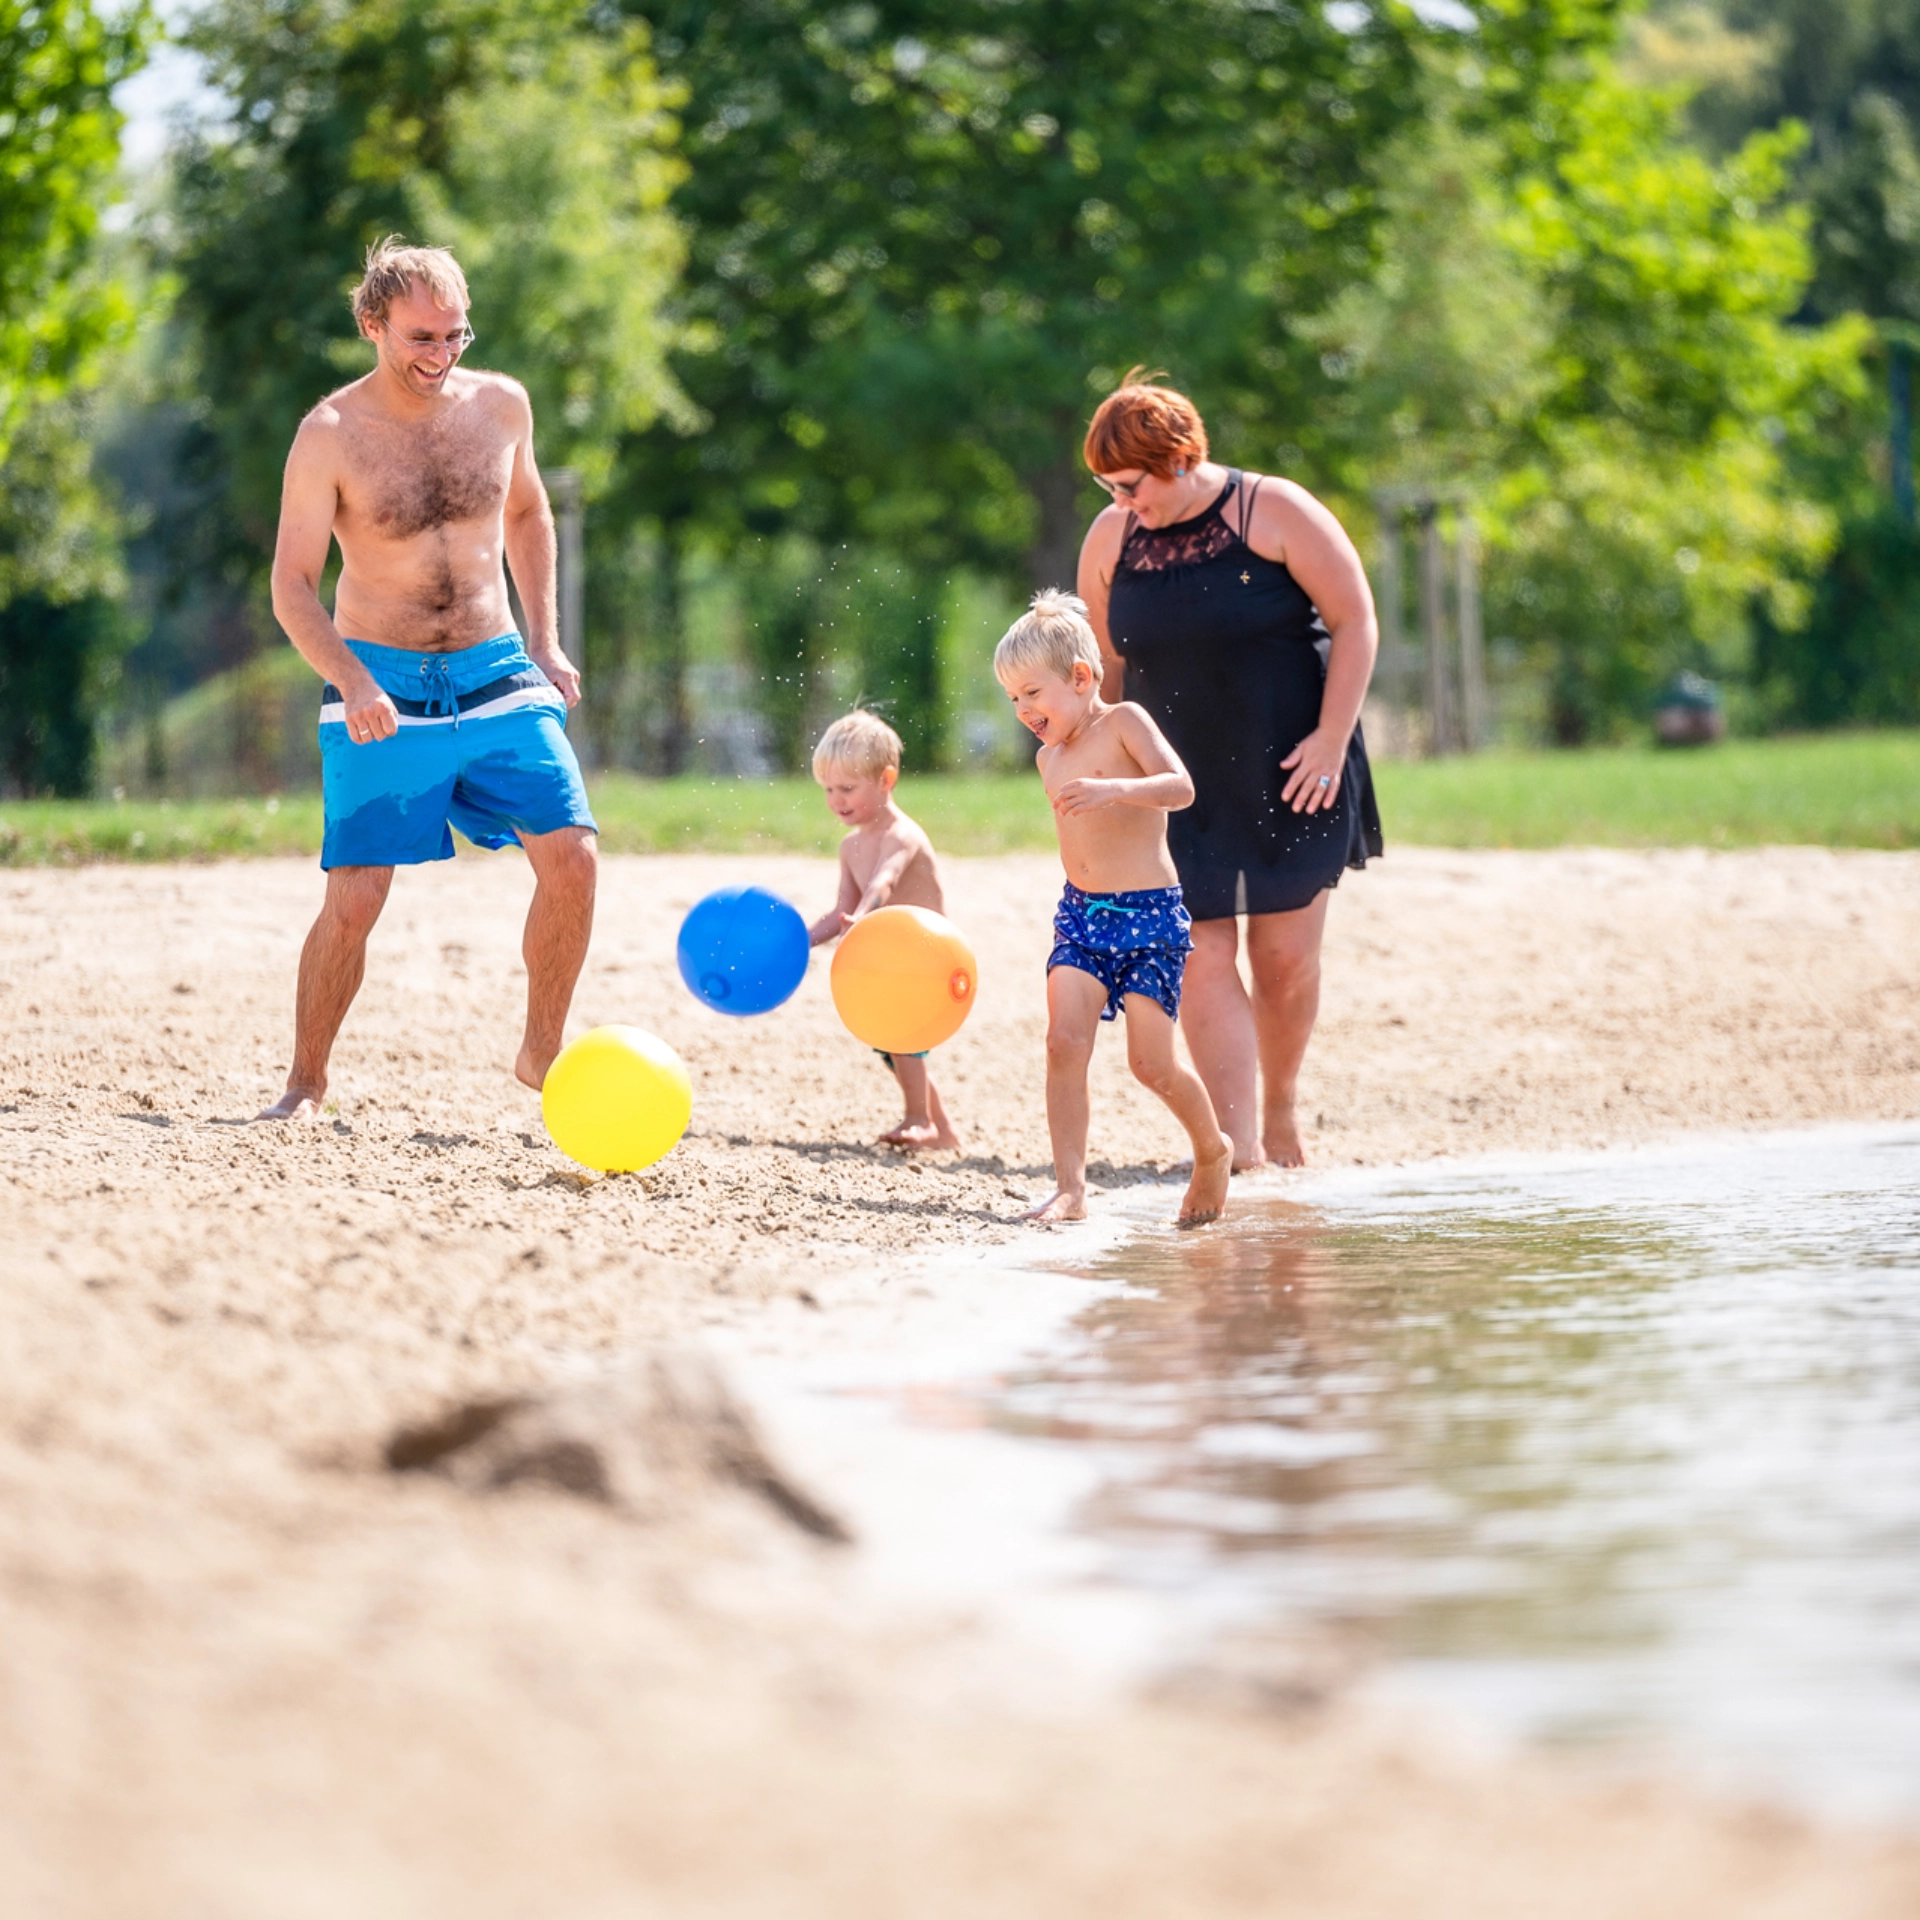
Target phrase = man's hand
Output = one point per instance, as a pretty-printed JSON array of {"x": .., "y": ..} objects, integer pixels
[
  {"x": 371, "y": 715},
  {"x": 560, "y": 670},
  {"x": 1084, "y": 796}
]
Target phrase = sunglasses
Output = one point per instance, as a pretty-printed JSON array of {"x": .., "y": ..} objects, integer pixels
[{"x": 1120, "y": 489}]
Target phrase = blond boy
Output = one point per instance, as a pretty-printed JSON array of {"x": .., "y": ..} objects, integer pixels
[
  {"x": 1121, "y": 935},
  {"x": 885, "y": 861}
]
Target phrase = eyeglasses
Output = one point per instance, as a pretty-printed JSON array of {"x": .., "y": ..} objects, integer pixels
[
  {"x": 454, "y": 344},
  {"x": 1120, "y": 489}
]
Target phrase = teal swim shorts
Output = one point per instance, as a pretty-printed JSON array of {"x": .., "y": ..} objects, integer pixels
[{"x": 482, "y": 746}]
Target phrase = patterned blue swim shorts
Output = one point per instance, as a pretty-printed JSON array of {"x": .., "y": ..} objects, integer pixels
[
  {"x": 482, "y": 746},
  {"x": 1130, "y": 942}
]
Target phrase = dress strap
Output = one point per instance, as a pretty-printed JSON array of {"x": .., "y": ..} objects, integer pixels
[{"x": 1247, "y": 497}]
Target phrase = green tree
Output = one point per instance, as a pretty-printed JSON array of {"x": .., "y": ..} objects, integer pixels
[
  {"x": 59, "y": 142},
  {"x": 1588, "y": 329},
  {"x": 531, "y": 137},
  {"x": 63, "y": 308}
]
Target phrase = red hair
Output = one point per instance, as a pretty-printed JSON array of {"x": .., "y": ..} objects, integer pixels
[{"x": 1141, "y": 424}]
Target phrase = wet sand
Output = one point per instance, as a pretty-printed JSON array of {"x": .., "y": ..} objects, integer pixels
[{"x": 244, "y": 1668}]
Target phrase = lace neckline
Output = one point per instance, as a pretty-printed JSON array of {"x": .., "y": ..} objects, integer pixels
[{"x": 1184, "y": 543}]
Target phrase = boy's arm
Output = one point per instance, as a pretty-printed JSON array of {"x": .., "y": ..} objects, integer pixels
[
  {"x": 894, "y": 862},
  {"x": 839, "y": 917},
  {"x": 1163, "y": 783}
]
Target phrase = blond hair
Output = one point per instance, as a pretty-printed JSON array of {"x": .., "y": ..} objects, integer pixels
[
  {"x": 392, "y": 269},
  {"x": 1053, "y": 633},
  {"x": 861, "y": 742}
]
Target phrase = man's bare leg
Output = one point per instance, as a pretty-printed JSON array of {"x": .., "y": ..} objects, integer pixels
[
  {"x": 1159, "y": 1069},
  {"x": 1074, "y": 1001},
  {"x": 926, "y": 1125},
  {"x": 566, "y": 870},
  {"x": 332, "y": 965},
  {"x": 1283, "y": 954}
]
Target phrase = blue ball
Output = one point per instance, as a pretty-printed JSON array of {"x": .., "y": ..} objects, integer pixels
[{"x": 743, "y": 950}]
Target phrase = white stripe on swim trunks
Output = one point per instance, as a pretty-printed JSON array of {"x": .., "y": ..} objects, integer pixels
[{"x": 334, "y": 713}]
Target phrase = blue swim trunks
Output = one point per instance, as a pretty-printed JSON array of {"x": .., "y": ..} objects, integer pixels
[
  {"x": 482, "y": 745},
  {"x": 1130, "y": 942}
]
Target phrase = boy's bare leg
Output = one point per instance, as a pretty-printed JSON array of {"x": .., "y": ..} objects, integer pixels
[
  {"x": 332, "y": 964},
  {"x": 559, "y": 924},
  {"x": 1157, "y": 1067},
  {"x": 1283, "y": 954},
  {"x": 925, "y": 1125},
  {"x": 1074, "y": 1001}
]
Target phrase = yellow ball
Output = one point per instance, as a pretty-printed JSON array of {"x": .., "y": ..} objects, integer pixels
[
  {"x": 617, "y": 1099},
  {"x": 903, "y": 980}
]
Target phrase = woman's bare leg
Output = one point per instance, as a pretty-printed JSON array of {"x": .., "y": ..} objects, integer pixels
[
  {"x": 1283, "y": 954},
  {"x": 1074, "y": 1001},
  {"x": 1218, "y": 1017},
  {"x": 1158, "y": 1068}
]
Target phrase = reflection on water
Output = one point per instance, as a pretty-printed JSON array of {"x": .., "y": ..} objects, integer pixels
[{"x": 1622, "y": 1452}]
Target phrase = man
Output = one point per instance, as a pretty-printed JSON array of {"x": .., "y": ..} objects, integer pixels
[{"x": 434, "y": 711}]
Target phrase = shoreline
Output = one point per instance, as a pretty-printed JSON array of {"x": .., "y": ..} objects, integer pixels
[{"x": 249, "y": 1670}]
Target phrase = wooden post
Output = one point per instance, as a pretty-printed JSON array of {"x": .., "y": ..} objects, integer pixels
[
  {"x": 1441, "y": 737},
  {"x": 1474, "y": 718},
  {"x": 1393, "y": 640},
  {"x": 563, "y": 490}
]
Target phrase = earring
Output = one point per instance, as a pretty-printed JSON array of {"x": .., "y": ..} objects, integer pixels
[{"x": 1180, "y": 473}]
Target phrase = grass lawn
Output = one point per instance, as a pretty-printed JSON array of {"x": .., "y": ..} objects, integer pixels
[{"x": 1840, "y": 790}]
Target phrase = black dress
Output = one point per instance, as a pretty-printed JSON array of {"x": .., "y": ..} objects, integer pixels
[{"x": 1227, "y": 653}]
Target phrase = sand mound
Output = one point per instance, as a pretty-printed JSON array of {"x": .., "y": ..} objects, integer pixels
[{"x": 650, "y": 1441}]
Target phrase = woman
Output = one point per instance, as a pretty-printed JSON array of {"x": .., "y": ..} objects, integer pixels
[{"x": 1233, "y": 607}]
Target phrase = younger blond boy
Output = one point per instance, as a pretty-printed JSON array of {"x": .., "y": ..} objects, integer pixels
[
  {"x": 886, "y": 860},
  {"x": 1121, "y": 935}
]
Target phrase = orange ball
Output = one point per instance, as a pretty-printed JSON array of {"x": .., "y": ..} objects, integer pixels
[{"x": 903, "y": 979}]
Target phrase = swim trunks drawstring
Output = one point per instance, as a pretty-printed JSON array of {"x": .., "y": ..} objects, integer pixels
[
  {"x": 1110, "y": 906},
  {"x": 438, "y": 685}
]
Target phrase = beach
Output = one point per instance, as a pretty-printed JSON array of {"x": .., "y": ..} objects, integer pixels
[{"x": 247, "y": 1667}]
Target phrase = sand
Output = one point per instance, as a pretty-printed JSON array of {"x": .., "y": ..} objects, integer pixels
[{"x": 246, "y": 1669}]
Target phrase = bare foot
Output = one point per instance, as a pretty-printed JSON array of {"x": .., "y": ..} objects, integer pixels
[
  {"x": 1254, "y": 1162},
  {"x": 1281, "y": 1138},
  {"x": 920, "y": 1136},
  {"x": 1206, "y": 1195},
  {"x": 530, "y": 1070},
  {"x": 1062, "y": 1206},
  {"x": 297, "y": 1103}
]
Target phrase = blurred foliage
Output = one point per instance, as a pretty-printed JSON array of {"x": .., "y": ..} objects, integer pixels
[
  {"x": 1848, "y": 72},
  {"x": 63, "y": 307},
  {"x": 1857, "y": 657},
  {"x": 1587, "y": 333},
  {"x": 818, "y": 300},
  {"x": 59, "y": 141},
  {"x": 923, "y": 237},
  {"x": 529, "y": 137}
]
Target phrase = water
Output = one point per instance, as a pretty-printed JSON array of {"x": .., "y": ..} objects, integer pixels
[{"x": 1619, "y": 1453}]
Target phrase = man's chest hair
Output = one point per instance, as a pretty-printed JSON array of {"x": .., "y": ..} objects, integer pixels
[{"x": 409, "y": 479}]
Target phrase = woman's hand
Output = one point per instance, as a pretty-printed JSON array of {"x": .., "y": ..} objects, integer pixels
[{"x": 1314, "y": 768}]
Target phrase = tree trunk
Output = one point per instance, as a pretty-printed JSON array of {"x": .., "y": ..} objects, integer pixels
[
  {"x": 1058, "y": 491},
  {"x": 675, "y": 721}
]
